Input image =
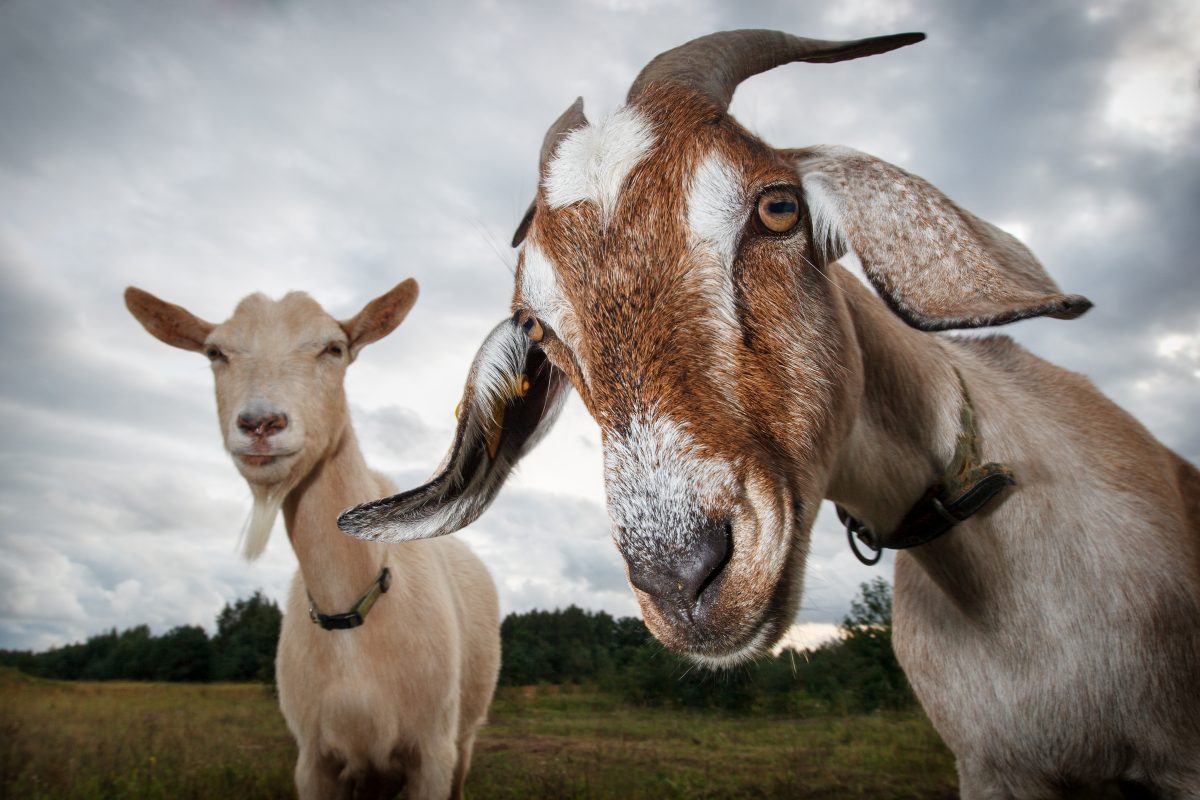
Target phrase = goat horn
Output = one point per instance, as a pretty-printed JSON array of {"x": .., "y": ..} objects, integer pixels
[
  {"x": 714, "y": 65},
  {"x": 568, "y": 121}
]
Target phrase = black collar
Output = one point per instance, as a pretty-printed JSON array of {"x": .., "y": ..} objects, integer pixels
[
  {"x": 963, "y": 490},
  {"x": 356, "y": 615}
]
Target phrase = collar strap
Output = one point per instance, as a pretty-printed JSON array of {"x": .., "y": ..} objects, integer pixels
[
  {"x": 356, "y": 615},
  {"x": 964, "y": 489}
]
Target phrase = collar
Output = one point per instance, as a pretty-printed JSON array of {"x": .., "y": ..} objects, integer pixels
[
  {"x": 964, "y": 489},
  {"x": 358, "y": 613}
]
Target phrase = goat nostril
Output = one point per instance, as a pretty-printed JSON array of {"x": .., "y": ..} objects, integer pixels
[{"x": 722, "y": 551}]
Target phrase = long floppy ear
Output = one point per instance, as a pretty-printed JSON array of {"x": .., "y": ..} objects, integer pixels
[
  {"x": 937, "y": 265},
  {"x": 512, "y": 397},
  {"x": 380, "y": 316},
  {"x": 167, "y": 322}
]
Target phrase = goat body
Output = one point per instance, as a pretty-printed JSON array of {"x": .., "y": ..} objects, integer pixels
[
  {"x": 402, "y": 695},
  {"x": 1053, "y": 638},
  {"x": 398, "y": 700}
]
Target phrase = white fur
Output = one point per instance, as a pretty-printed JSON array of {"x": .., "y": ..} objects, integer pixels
[
  {"x": 717, "y": 206},
  {"x": 659, "y": 486},
  {"x": 257, "y": 530},
  {"x": 541, "y": 292},
  {"x": 499, "y": 364},
  {"x": 716, "y": 214},
  {"x": 751, "y": 650},
  {"x": 825, "y": 209},
  {"x": 592, "y": 162}
]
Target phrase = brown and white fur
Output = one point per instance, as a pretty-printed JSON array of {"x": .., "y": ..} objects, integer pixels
[
  {"x": 680, "y": 274},
  {"x": 398, "y": 700}
]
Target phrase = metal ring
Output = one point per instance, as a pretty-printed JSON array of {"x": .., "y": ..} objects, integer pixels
[{"x": 850, "y": 536}]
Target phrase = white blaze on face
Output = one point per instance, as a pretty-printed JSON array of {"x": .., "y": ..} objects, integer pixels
[
  {"x": 592, "y": 162},
  {"x": 716, "y": 215},
  {"x": 660, "y": 487},
  {"x": 717, "y": 207}
]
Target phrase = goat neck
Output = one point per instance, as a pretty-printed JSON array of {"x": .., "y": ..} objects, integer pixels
[
  {"x": 907, "y": 417},
  {"x": 904, "y": 434},
  {"x": 337, "y": 569}
]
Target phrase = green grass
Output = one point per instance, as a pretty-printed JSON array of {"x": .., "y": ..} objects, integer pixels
[{"x": 145, "y": 740}]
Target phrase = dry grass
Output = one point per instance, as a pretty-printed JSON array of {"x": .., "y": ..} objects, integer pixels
[{"x": 138, "y": 740}]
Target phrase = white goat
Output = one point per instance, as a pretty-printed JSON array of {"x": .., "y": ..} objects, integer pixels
[
  {"x": 400, "y": 699},
  {"x": 679, "y": 274}
]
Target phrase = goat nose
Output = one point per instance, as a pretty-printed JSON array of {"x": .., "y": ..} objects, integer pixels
[
  {"x": 682, "y": 581},
  {"x": 262, "y": 425}
]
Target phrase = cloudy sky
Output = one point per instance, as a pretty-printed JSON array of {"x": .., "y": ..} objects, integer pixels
[{"x": 204, "y": 150}]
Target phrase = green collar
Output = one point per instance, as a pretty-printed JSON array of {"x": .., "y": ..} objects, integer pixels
[
  {"x": 963, "y": 490},
  {"x": 356, "y": 615}
]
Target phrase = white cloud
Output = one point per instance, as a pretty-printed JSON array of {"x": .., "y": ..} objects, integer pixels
[
  {"x": 1154, "y": 84},
  {"x": 808, "y": 636}
]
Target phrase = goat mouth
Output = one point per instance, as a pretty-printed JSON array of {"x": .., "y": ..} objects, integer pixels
[
  {"x": 261, "y": 460},
  {"x": 728, "y": 633}
]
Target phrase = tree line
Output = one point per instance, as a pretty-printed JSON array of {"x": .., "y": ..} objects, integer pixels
[
  {"x": 855, "y": 673},
  {"x": 243, "y": 649}
]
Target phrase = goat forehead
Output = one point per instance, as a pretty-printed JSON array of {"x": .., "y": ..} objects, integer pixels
[
  {"x": 259, "y": 322},
  {"x": 591, "y": 163}
]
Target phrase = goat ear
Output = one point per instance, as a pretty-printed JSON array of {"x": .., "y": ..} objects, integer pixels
[
  {"x": 167, "y": 322},
  {"x": 380, "y": 316},
  {"x": 937, "y": 265},
  {"x": 512, "y": 397},
  {"x": 523, "y": 225}
]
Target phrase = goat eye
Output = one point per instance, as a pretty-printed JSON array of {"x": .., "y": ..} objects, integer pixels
[
  {"x": 214, "y": 354},
  {"x": 778, "y": 210},
  {"x": 332, "y": 349},
  {"x": 533, "y": 329}
]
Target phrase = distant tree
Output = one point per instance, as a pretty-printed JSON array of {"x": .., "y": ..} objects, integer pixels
[
  {"x": 879, "y": 682},
  {"x": 567, "y": 645},
  {"x": 183, "y": 654},
  {"x": 871, "y": 610},
  {"x": 247, "y": 635},
  {"x": 131, "y": 657}
]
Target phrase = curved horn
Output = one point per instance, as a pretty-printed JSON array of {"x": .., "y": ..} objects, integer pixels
[
  {"x": 568, "y": 121},
  {"x": 715, "y": 64}
]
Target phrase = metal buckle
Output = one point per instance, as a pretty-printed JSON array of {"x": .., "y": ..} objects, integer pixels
[{"x": 854, "y": 529}]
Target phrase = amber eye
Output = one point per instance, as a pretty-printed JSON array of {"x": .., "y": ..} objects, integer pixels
[
  {"x": 214, "y": 354},
  {"x": 533, "y": 329},
  {"x": 779, "y": 210},
  {"x": 333, "y": 349}
]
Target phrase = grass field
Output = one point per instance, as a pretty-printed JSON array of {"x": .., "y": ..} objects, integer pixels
[{"x": 146, "y": 740}]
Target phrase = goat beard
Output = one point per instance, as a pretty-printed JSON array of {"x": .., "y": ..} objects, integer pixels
[{"x": 257, "y": 530}]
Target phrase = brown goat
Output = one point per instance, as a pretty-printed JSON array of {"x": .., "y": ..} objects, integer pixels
[{"x": 680, "y": 274}]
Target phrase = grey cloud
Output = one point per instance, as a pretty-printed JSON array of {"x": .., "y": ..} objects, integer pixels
[{"x": 208, "y": 150}]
